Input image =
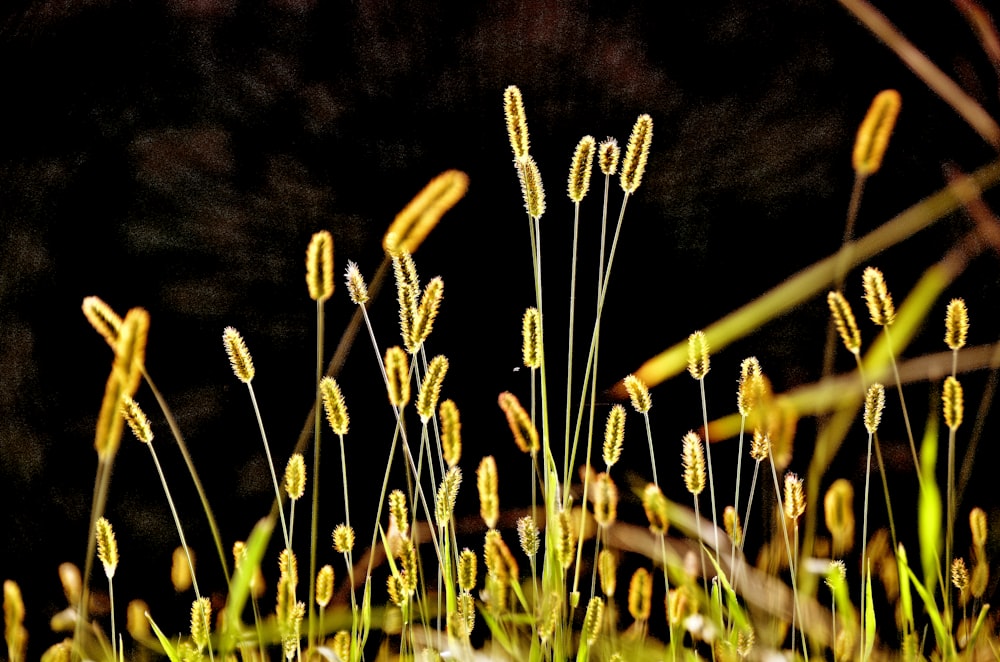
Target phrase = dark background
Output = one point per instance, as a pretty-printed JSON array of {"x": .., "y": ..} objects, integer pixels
[{"x": 178, "y": 155}]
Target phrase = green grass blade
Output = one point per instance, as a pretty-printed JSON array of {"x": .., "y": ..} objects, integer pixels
[
  {"x": 937, "y": 624},
  {"x": 929, "y": 510},
  {"x": 239, "y": 589},
  {"x": 168, "y": 648},
  {"x": 869, "y": 618}
]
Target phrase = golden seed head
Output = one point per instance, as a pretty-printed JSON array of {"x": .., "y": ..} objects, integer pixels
[
  {"x": 517, "y": 124},
  {"x": 467, "y": 612},
  {"x": 877, "y": 297},
  {"x": 137, "y": 420},
  {"x": 524, "y": 431},
  {"x": 592, "y": 621},
  {"x": 59, "y": 652},
  {"x": 500, "y": 563},
  {"x": 412, "y": 225},
  {"x": 342, "y": 644},
  {"x": 319, "y": 266},
  {"x": 636, "y": 154},
  {"x": 451, "y": 432},
  {"x": 489, "y": 500},
  {"x": 69, "y": 577},
  {"x": 980, "y": 578},
  {"x": 107, "y": 547},
  {"x": 657, "y": 509},
  {"x": 638, "y": 393},
  {"x": 180, "y": 571},
  {"x": 399, "y": 513},
  {"x": 874, "y": 404},
  {"x": 531, "y": 187},
  {"x": 528, "y": 535},
  {"x": 760, "y": 446},
  {"x": 334, "y": 405},
  {"x": 343, "y": 539},
  {"x": 614, "y": 434},
  {"x": 447, "y": 494},
  {"x": 409, "y": 567},
  {"x": 531, "y": 338},
  {"x": 288, "y": 567},
  {"x": 565, "y": 540},
  {"x": 605, "y": 500},
  {"x": 430, "y": 387},
  {"x": 731, "y": 521},
  {"x": 952, "y": 400},
  {"x": 239, "y": 355},
  {"x": 693, "y": 456},
  {"x": 126, "y": 373},
  {"x": 607, "y": 156},
  {"x": 407, "y": 292},
  {"x": 978, "y": 527},
  {"x": 640, "y": 594},
  {"x": 396, "y": 590},
  {"x": 427, "y": 311},
  {"x": 795, "y": 499},
  {"x": 13, "y": 611},
  {"x": 677, "y": 605},
  {"x": 836, "y": 573},
  {"x": 104, "y": 320},
  {"x": 397, "y": 372},
  {"x": 873, "y": 134},
  {"x": 956, "y": 324},
  {"x": 838, "y": 510},
  {"x": 579, "y": 171},
  {"x": 467, "y": 570},
  {"x": 324, "y": 585},
  {"x": 201, "y": 622},
  {"x": 843, "y": 319},
  {"x": 745, "y": 640},
  {"x": 698, "y": 363},
  {"x": 295, "y": 477},
  {"x": 607, "y": 572},
  {"x": 959, "y": 574},
  {"x": 357, "y": 289},
  {"x": 751, "y": 386}
]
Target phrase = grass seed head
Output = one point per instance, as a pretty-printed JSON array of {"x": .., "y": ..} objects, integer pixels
[
  {"x": 334, "y": 405},
  {"x": 72, "y": 583},
  {"x": 136, "y": 420},
  {"x": 528, "y": 535},
  {"x": 295, "y": 477},
  {"x": 430, "y": 387},
  {"x": 838, "y": 511},
  {"x": 409, "y": 567},
  {"x": 531, "y": 187},
  {"x": 489, "y": 499},
  {"x": 640, "y": 594},
  {"x": 638, "y": 393},
  {"x": 614, "y": 435},
  {"x": 693, "y": 457},
  {"x": 579, "y": 171},
  {"x": 873, "y": 134},
  {"x": 657, "y": 509},
  {"x": 731, "y": 521},
  {"x": 343, "y": 539},
  {"x": 877, "y": 297},
  {"x": 107, "y": 547},
  {"x": 517, "y": 123},
  {"x": 605, "y": 500},
  {"x": 342, "y": 644},
  {"x": 319, "y": 266},
  {"x": 751, "y": 386},
  {"x": 288, "y": 567},
  {"x": 760, "y": 446},
  {"x": 524, "y": 431},
  {"x": 636, "y": 154},
  {"x": 412, "y": 225},
  {"x": 956, "y": 324},
  {"x": 698, "y": 362},
  {"x": 104, "y": 320},
  {"x": 978, "y": 528},
  {"x": 180, "y": 570},
  {"x": 201, "y": 623},
  {"x": 592, "y": 620},
  {"x": 324, "y": 585},
  {"x": 239, "y": 355},
  {"x": 607, "y": 572},
  {"x": 467, "y": 570},
  {"x": 531, "y": 338},
  {"x": 952, "y": 401},
  {"x": 447, "y": 494},
  {"x": 844, "y": 320},
  {"x": 357, "y": 289},
  {"x": 565, "y": 540},
  {"x": 608, "y": 154},
  {"x": 979, "y": 579},
  {"x": 874, "y": 405},
  {"x": 397, "y": 372},
  {"x": 407, "y": 292},
  {"x": 427, "y": 311},
  {"x": 399, "y": 513},
  {"x": 959, "y": 574},
  {"x": 795, "y": 500},
  {"x": 451, "y": 432}
]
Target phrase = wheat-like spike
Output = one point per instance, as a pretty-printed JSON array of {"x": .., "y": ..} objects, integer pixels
[
  {"x": 293, "y": 629},
  {"x": 565, "y": 540},
  {"x": 447, "y": 494},
  {"x": 489, "y": 500},
  {"x": 795, "y": 500},
  {"x": 579, "y": 171},
  {"x": 877, "y": 297},
  {"x": 334, "y": 405},
  {"x": 104, "y": 320},
  {"x": 959, "y": 574},
  {"x": 693, "y": 457},
  {"x": 136, "y": 420},
  {"x": 843, "y": 319},
  {"x": 605, "y": 500},
  {"x": 636, "y": 154},
  {"x": 698, "y": 361},
  {"x": 467, "y": 611},
  {"x": 952, "y": 401},
  {"x": 467, "y": 570},
  {"x": 319, "y": 266},
  {"x": 427, "y": 312},
  {"x": 342, "y": 643},
  {"x": 430, "y": 388},
  {"x": 731, "y": 522},
  {"x": 343, "y": 539},
  {"x": 980, "y": 578},
  {"x": 640, "y": 594},
  {"x": 956, "y": 324},
  {"x": 978, "y": 528},
  {"x": 657, "y": 509},
  {"x": 288, "y": 566},
  {"x": 357, "y": 289},
  {"x": 638, "y": 393},
  {"x": 838, "y": 511},
  {"x": 324, "y": 585},
  {"x": 531, "y": 342},
  {"x": 399, "y": 513},
  {"x": 607, "y": 156},
  {"x": 592, "y": 620},
  {"x": 496, "y": 566},
  {"x": 524, "y": 431},
  {"x": 874, "y": 132},
  {"x": 407, "y": 292},
  {"x": 531, "y": 187},
  {"x": 614, "y": 435},
  {"x": 528, "y": 535},
  {"x": 751, "y": 386},
  {"x": 607, "y": 572},
  {"x": 239, "y": 355},
  {"x": 397, "y": 594},
  {"x": 412, "y": 225},
  {"x": 451, "y": 432},
  {"x": 745, "y": 640},
  {"x": 295, "y": 477},
  {"x": 398, "y": 375},
  {"x": 409, "y": 567},
  {"x": 874, "y": 404},
  {"x": 107, "y": 547},
  {"x": 760, "y": 446},
  {"x": 201, "y": 622},
  {"x": 517, "y": 124}
]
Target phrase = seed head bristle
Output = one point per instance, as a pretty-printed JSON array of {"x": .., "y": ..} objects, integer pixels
[
  {"x": 731, "y": 521},
  {"x": 873, "y": 134},
  {"x": 751, "y": 386},
  {"x": 524, "y": 431},
  {"x": 107, "y": 547},
  {"x": 636, "y": 154},
  {"x": 745, "y": 640},
  {"x": 693, "y": 457},
  {"x": 324, "y": 585},
  {"x": 956, "y": 324},
  {"x": 978, "y": 528},
  {"x": 427, "y": 311},
  {"x": 319, "y": 266},
  {"x": 430, "y": 388},
  {"x": 592, "y": 620},
  {"x": 698, "y": 363},
  {"x": 531, "y": 338},
  {"x": 843, "y": 319},
  {"x": 605, "y": 500},
  {"x": 334, "y": 405},
  {"x": 579, "y": 171},
  {"x": 657, "y": 509},
  {"x": 838, "y": 511},
  {"x": 874, "y": 404},
  {"x": 446, "y": 496},
  {"x": 565, "y": 540},
  {"x": 201, "y": 622},
  {"x": 795, "y": 500},
  {"x": 489, "y": 499},
  {"x": 528, "y": 535},
  {"x": 531, "y": 187},
  {"x": 239, "y": 355},
  {"x": 607, "y": 156},
  {"x": 607, "y": 572},
  {"x": 412, "y": 225},
  {"x": 399, "y": 513},
  {"x": 104, "y": 320},
  {"x": 467, "y": 570},
  {"x": 959, "y": 574},
  {"x": 517, "y": 124},
  {"x": 640, "y": 594},
  {"x": 357, "y": 289},
  {"x": 496, "y": 565},
  {"x": 614, "y": 435},
  {"x": 397, "y": 372},
  {"x": 952, "y": 399},
  {"x": 638, "y": 393},
  {"x": 295, "y": 477},
  {"x": 136, "y": 420},
  {"x": 467, "y": 611},
  {"x": 877, "y": 297},
  {"x": 343, "y": 539},
  {"x": 760, "y": 446},
  {"x": 451, "y": 432}
]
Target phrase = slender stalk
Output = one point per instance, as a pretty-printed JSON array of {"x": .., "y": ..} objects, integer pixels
[
  {"x": 270, "y": 464},
  {"x": 314, "y": 525},
  {"x": 708, "y": 461}
]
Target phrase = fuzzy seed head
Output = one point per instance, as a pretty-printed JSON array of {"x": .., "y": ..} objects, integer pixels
[
  {"x": 72, "y": 584},
  {"x": 640, "y": 594},
  {"x": 636, "y": 154},
  {"x": 288, "y": 567},
  {"x": 959, "y": 574},
  {"x": 531, "y": 187},
  {"x": 614, "y": 435},
  {"x": 342, "y": 645},
  {"x": 519, "y": 421},
  {"x": 838, "y": 510},
  {"x": 446, "y": 496},
  {"x": 565, "y": 540},
  {"x": 638, "y": 393},
  {"x": 605, "y": 500},
  {"x": 489, "y": 499},
  {"x": 412, "y": 225},
  {"x": 952, "y": 400},
  {"x": 201, "y": 622},
  {"x": 874, "y": 405},
  {"x": 136, "y": 419},
  {"x": 528, "y": 535},
  {"x": 607, "y": 571},
  {"x": 693, "y": 457},
  {"x": 592, "y": 621},
  {"x": 396, "y": 590},
  {"x": 334, "y": 405},
  {"x": 324, "y": 585},
  {"x": 467, "y": 570},
  {"x": 698, "y": 349},
  {"x": 295, "y": 477},
  {"x": 956, "y": 324},
  {"x": 979, "y": 579},
  {"x": 407, "y": 294},
  {"x": 517, "y": 124},
  {"x": 409, "y": 568},
  {"x": 427, "y": 311},
  {"x": 677, "y": 605},
  {"x": 239, "y": 355},
  {"x": 795, "y": 500},
  {"x": 843, "y": 319},
  {"x": 579, "y": 171},
  {"x": 451, "y": 432},
  {"x": 430, "y": 388},
  {"x": 657, "y": 509},
  {"x": 467, "y": 612},
  {"x": 397, "y": 372},
  {"x": 873, "y": 134},
  {"x": 399, "y": 513},
  {"x": 751, "y": 386},
  {"x": 180, "y": 571},
  {"x": 357, "y": 289},
  {"x": 745, "y": 640},
  {"x": 319, "y": 266},
  {"x": 500, "y": 563},
  {"x": 343, "y": 539},
  {"x": 877, "y": 297},
  {"x": 731, "y": 521},
  {"x": 978, "y": 527},
  {"x": 607, "y": 156},
  {"x": 104, "y": 320},
  {"x": 531, "y": 338},
  {"x": 107, "y": 547},
  {"x": 760, "y": 446}
]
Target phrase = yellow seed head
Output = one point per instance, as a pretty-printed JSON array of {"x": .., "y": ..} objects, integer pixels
[
  {"x": 956, "y": 324},
  {"x": 295, "y": 477},
  {"x": 795, "y": 500},
  {"x": 636, "y": 154},
  {"x": 579, "y": 171},
  {"x": 952, "y": 401},
  {"x": 136, "y": 419},
  {"x": 288, "y": 567},
  {"x": 843, "y": 319},
  {"x": 838, "y": 510},
  {"x": 565, "y": 540},
  {"x": 592, "y": 621},
  {"x": 517, "y": 124},
  {"x": 745, "y": 640},
  {"x": 334, "y": 405},
  {"x": 500, "y": 563},
  {"x": 324, "y": 585},
  {"x": 343, "y": 539},
  {"x": 760, "y": 447},
  {"x": 126, "y": 373},
  {"x": 980, "y": 578},
  {"x": 135, "y": 619},
  {"x": 407, "y": 292},
  {"x": 531, "y": 187},
  {"x": 605, "y": 500},
  {"x": 607, "y": 572},
  {"x": 751, "y": 386},
  {"x": 693, "y": 456},
  {"x": 467, "y": 612},
  {"x": 677, "y": 605},
  {"x": 427, "y": 311},
  {"x": 959, "y": 574},
  {"x": 531, "y": 338},
  {"x": 467, "y": 570},
  {"x": 104, "y": 320},
  {"x": 342, "y": 644},
  {"x": 412, "y": 225},
  {"x": 409, "y": 567},
  {"x": 524, "y": 431},
  {"x": 397, "y": 372},
  {"x": 874, "y": 404},
  {"x": 397, "y": 592},
  {"x": 180, "y": 571},
  {"x": 489, "y": 500},
  {"x": 874, "y": 132},
  {"x": 978, "y": 527},
  {"x": 451, "y": 432},
  {"x": 69, "y": 577},
  {"x": 398, "y": 513},
  {"x": 657, "y": 512},
  {"x": 698, "y": 363},
  {"x": 447, "y": 494},
  {"x": 201, "y": 622},
  {"x": 640, "y": 594},
  {"x": 877, "y": 297},
  {"x": 357, "y": 289},
  {"x": 528, "y": 535},
  {"x": 239, "y": 355},
  {"x": 638, "y": 393},
  {"x": 13, "y": 613},
  {"x": 607, "y": 156},
  {"x": 107, "y": 547},
  {"x": 614, "y": 434},
  {"x": 731, "y": 521},
  {"x": 319, "y": 266},
  {"x": 430, "y": 387}
]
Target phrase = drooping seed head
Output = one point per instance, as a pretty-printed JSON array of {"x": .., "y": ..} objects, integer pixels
[
  {"x": 873, "y": 134},
  {"x": 239, "y": 355},
  {"x": 959, "y": 574},
  {"x": 295, "y": 477},
  {"x": 607, "y": 571},
  {"x": 430, "y": 387},
  {"x": 126, "y": 373},
  {"x": 343, "y": 539},
  {"x": 579, "y": 171},
  {"x": 605, "y": 500},
  {"x": 693, "y": 457},
  {"x": 107, "y": 547},
  {"x": 636, "y": 154},
  {"x": 877, "y": 297},
  {"x": 136, "y": 420},
  {"x": 489, "y": 499},
  {"x": 956, "y": 324},
  {"x": 640, "y": 594},
  {"x": 607, "y": 156},
  {"x": 399, "y": 513},
  {"x": 698, "y": 363},
  {"x": 412, "y": 225},
  {"x": 843, "y": 319},
  {"x": 524, "y": 431},
  {"x": 446, "y": 496},
  {"x": 531, "y": 338},
  {"x": 731, "y": 521},
  {"x": 467, "y": 570},
  {"x": 657, "y": 509},
  {"x": 451, "y": 432},
  {"x": 104, "y": 320},
  {"x": 201, "y": 622},
  {"x": 760, "y": 446},
  {"x": 334, "y": 405},
  {"x": 357, "y": 289},
  {"x": 397, "y": 372},
  {"x": 517, "y": 123},
  {"x": 795, "y": 500},
  {"x": 638, "y": 393},
  {"x": 978, "y": 528},
  {"x": 874, "y": 405},
  {"x": 592, "y": 620},
  {"x": 528, "y": 535},
  {"x": 319, "y": 266},
  {"x": 751, "y": 386},
  {"x": 614, "y": 435},
  {"x": 952, "y": 401},
  {"x": 427, "y": 311},
  {"x": 531, "y": 187},
  {"x": 324, "y": 585},
  {"x": 838, "y": 511}
]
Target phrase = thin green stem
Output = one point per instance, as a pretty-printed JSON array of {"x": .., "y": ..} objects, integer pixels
[
  {"x": 314, "y": 524},
  {"x": 270, "y": 464}
]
